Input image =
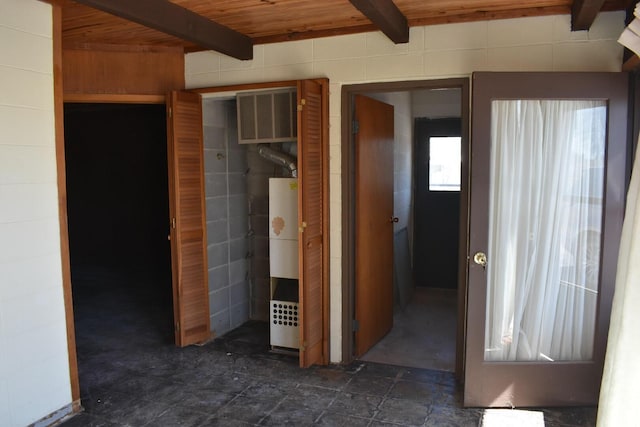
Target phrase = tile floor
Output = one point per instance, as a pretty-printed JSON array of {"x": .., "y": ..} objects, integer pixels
[{"x": 132, "y": 375}]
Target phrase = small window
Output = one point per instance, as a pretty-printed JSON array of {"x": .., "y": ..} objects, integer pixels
[{"x": 444, "y": 163}]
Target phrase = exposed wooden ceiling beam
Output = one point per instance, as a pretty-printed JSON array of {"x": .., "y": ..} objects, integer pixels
[
  {"x": 583, "y": 13},
  {"x": 172, "y": 19},
  {"x": 386, "y": 16}
]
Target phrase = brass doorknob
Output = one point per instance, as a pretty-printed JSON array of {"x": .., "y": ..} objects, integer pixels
[{"x": 480, "y": 258}]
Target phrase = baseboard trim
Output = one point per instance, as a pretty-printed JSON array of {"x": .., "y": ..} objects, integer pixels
[{"x": 61, "y": 414}]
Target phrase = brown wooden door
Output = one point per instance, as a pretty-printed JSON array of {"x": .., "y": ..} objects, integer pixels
[
  {"x": 518, "y": 367},
  {"x": 312, "y": 193},
  {"x": 374, "y": 226},
  {"x": 188, "y": 224}
]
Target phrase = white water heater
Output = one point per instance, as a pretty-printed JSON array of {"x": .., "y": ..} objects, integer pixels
[
  {"x": 283, "y": 262},
  {"x": 283, "y": 227}
]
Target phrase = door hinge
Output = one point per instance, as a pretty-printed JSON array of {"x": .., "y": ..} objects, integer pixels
[
  {"x": 170, "y": 112},
  {"x": 303, "y": 346},
  {"x": 302, "y": 104},
  {"x": 177, "y": 326},
  {"x": 356, "y": 127},
  {"x": 356, "y": 325},
  {"x": 173, "y": 222}
]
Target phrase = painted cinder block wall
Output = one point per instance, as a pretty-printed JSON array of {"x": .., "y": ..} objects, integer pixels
[
  {"x": 433, "y": 52},
  {"x": 34, "y": 364}
]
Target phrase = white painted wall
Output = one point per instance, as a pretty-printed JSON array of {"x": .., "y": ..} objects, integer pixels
[
  {"x": 436, "y": 103},
  {"x": 34, "y": 366},
  {"x": 433, "y": 52}
]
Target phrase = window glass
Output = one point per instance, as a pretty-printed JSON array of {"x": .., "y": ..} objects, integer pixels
[{"x": 444, "y": 163}]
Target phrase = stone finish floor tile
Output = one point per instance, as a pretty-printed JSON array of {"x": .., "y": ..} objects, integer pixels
[{"x": 131, "y": 374}]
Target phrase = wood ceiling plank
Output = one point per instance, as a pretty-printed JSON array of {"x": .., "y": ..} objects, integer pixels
[
  {"x": 583, "y": 13},
  {"x": 286, "y": 20},
  {"x": 386, "y": 16},
  {"x": 173, "y": 19}
]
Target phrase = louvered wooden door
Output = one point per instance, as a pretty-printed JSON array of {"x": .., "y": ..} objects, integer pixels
[
  {"x": 312, "y": 177},
  {"x": 188, "y": 224}
]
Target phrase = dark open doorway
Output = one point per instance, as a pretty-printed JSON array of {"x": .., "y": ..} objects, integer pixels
[{"x": 116, "y": 170}]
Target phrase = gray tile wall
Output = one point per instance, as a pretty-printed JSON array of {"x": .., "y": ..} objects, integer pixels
[
  {"x": 258, "y": 190},
  {"x": 225, "y": 164}
]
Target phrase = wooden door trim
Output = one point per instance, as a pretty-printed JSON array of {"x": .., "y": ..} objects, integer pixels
[
  {"x": 348, "y": 203},
  {"x": 65, "y": 258},
  {"x": 108, "y": 98}
]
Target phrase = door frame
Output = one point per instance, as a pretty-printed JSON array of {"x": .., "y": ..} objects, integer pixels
[{"x": 348, "y": 204}]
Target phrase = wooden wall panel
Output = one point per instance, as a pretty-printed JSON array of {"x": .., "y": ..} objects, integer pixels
[{"x": 136, "y": 70}]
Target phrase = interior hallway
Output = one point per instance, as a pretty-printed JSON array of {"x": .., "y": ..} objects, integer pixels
[
  {"x": 131, "y": 374},
  {"x": 423, "y": 334}
]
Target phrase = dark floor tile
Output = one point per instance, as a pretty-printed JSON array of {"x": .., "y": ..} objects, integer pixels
[
  {"x": 138, "y": 414},
  {"x": 178, "y": 416},
  {"x": 420, "y": 392},
  {"x": 248, "y": 410},
  {"x": 224, "y": 422},
  {"x": 313, "y": 398},
  {"x": 369, "y": 384},
  {"x": 132, "y": 374},
  {"x": 265, "y": 366},
  {"x": 269, "y": 389},
  {"x": 376, "y": 423},
  {"x": 402, "y": 411},
  {"x": 451, "y": 417},
  {"x": 355, "y": 404},
  {"x": 87, "y": 420},
  {"x": 449, "y": 399},
  {"x": 429, "y": 376},
  {"x": 290, "y": 415},
  {"x": 302, "y": 406},
  {"x": 327, "y": 377},
  {"x": 229, "y": 382},
  {"x": 341, "y": 420},
  {"x": 377, "y": 369},
  {"x": 109, "y": 404},
  {"x": 569, "y": 417},
  {"x": 208, "y": 401}
]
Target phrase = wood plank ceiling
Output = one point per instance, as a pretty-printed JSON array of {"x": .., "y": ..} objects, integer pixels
[{"x": 236, "y": 24}]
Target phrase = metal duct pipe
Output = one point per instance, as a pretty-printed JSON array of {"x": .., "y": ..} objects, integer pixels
[{"x": 279, "y": 158}]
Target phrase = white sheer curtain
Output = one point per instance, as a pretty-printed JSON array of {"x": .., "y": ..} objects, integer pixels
[
  {"x": 620, "y": 388},
  {"x": 547, "y": 174}
]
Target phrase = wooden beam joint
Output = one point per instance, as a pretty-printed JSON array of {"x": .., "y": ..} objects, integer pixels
[
  {"x": 386, "y": 16},
  {"x": 583, "y": 13},
  {"x": 173, "y": 19}
]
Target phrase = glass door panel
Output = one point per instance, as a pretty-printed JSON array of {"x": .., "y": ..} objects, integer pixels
[
  {"x": 548, "y": 173},
  {"x": 545, "y": 219}
]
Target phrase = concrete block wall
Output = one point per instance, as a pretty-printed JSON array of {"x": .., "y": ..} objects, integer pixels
[
  {"x": 227, "y": 216},
  {"x": 433, "y": 52},
  {"x": 34, "y": 364}
]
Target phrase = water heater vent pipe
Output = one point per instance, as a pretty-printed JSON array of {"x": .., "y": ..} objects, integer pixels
[{"x": 279, "y": 158}]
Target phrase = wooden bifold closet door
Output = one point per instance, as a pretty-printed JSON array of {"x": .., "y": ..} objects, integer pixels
[
  {"x": 187, "y": 218},
  {"x": 188, "y": 226}
]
